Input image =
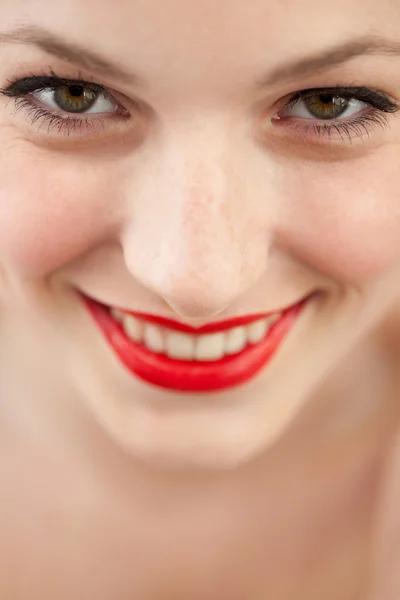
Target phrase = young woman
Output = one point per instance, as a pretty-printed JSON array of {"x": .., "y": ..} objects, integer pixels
[{"x": 199, "y": 299}]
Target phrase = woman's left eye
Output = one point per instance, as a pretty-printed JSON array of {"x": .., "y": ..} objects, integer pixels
[
  {"x": 337, "y": 113},
  {"x": 325, "y": 107},
  {"x": 76, "y": 99}
]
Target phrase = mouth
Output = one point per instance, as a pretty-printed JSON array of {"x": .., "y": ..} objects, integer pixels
[{"x": 177, "y": 357}]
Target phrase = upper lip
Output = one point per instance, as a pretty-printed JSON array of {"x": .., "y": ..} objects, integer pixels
[
  {"x": 208, "y": 328},
  {"x": 215, "y": 326}
]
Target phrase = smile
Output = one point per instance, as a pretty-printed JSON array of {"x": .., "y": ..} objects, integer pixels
[{"x": 177, "y": 357}]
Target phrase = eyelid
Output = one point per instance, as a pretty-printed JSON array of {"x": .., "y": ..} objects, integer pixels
[
  {"x": 370, "y": 96},
  {"x": 24, "y": 86},
  {"x": 24, "y": 90},
  {"x": 375, "y": 114},
  {"x": 60, "y": 123},
  {"x": 27, "y": 85}
]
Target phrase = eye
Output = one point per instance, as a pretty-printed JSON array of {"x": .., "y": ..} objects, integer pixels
[
  {"x": 66, "y": 106},
  {"x": 77, "y": 99},
  {"x": 325, "y": 107},
  {"x": 336, "y": 114}
]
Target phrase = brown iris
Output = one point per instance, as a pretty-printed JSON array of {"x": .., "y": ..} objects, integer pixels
[
  {"x": 75, "y": 98},
  {"x": 326, "y": 106}
]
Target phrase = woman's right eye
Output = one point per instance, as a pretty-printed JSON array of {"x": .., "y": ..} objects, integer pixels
[
  {"x": 76, "y": 99},
  {"x": 65, "y": 105}
]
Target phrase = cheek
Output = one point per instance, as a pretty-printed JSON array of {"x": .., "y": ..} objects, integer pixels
[
  {"x": 50, "y": 212},
  {"x": 345, "y": 221}
]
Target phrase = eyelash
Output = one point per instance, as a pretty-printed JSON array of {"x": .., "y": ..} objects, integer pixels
[
  {"x": 66, "y": 123},
  {"x": 19, "y": 91},
  {"x": 352, "y": 127}
]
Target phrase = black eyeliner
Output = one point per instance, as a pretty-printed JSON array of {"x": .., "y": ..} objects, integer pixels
[{"x": 28, "y": 85}]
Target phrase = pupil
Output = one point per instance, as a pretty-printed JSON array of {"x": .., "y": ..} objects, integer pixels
[
  {"x": 76, "y": 90},
  {"x": 326, "y": 99}
]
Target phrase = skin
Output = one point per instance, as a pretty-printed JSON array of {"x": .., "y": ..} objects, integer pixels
[{"x": 200, "y": 207}]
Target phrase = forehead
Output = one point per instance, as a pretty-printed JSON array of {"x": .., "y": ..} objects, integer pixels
[
  {"x": 207, "y": 19},
  {"x": 202, "y": 39}
]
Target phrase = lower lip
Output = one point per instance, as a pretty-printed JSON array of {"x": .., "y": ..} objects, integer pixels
[{"x": 193, "y": 376}]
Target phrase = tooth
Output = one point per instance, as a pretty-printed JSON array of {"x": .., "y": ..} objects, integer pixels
[
  {"x": 210, "y": 347},
  {"x": 256, "y": 331},
  {"x": 133, "y": 328},
  {"x": 153, "y": 338},
  {"x": 180, "y": 345},
  {"x": 236, "y": 340},
  {"x": 117, "y": 314}
]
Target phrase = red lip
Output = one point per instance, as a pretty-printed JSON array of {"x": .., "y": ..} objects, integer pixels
[{"x": 194, "y": 376}]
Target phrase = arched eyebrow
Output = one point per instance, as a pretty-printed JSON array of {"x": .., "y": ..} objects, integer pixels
[
  {"x": 54, "y": 45},
  {"x": 332, "y": 57},
  {"x": 84, "y": 58}
]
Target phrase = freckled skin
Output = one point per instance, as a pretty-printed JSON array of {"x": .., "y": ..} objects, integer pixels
[{"x": 199, "y": 207}]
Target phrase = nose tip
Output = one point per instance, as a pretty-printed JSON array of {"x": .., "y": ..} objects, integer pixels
[
  {"x": 199, "y": 305},
  {"x": 198, "y": 313},
  {"x": 196, "y": 283}
]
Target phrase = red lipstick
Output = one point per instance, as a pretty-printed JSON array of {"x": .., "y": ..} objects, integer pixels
[{"x": 190, "y": 375}]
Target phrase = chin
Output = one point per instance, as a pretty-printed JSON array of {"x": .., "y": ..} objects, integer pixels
[
  {"x": 212, "y": 435},
  {"x": 204, "y": 453}
]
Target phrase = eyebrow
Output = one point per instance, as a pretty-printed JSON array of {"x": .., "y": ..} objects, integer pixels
[
  {"x": 333, "y": 57},
  {"x": 81, "y": 57},
  {"x": 69, "y": 52}
]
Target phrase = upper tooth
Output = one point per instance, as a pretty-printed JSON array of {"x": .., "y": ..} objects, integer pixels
[
  {"x": 210, "y": 347},
  {"x": 133, "y": 328},
  {"x": 183, "y": 346},
  {"x": 236, "y": 340},
  {"x": 256, "y": 331},
  {"x": 180, "y": 345},
  {"x": 153, "y": 338}
]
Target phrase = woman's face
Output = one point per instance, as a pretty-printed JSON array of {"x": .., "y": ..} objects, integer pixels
[{"x": 178, "y": 172}]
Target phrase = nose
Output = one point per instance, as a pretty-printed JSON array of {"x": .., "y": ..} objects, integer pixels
[{"x": 196, "y": 234}]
